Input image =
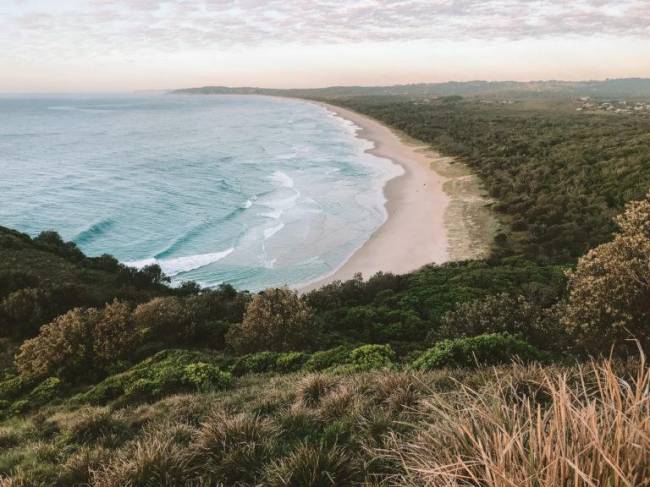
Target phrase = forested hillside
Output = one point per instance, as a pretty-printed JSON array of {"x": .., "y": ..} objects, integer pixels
[{"x": 558, "y": 176}]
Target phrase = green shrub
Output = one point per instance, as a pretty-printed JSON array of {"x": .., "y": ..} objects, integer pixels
[
  {"x": 369, "y": 357},
  {"x": 147, "y": 389},
  {"x": 45, "y": 391},
  {"x": 110, "y": 388},
  {"x": 537, "y": 322},
  {"x": 366, "y": 357},
  {"x": 290, "y": 361},
  {"x": 326, "y": 359},
  {"x": 492, "y": 349},
  {"x": 19, "y": 407},
  {"x": 278, "y": 320},
  {"x": 207, "y": 376},
  {"x": 163, "y": 374},
  {"x": 12, "y": 388},
  {"x": 255, "y": 363}
]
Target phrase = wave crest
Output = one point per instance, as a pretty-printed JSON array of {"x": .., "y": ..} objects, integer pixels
[
  {"x": 93, "y": 231},
  {"x": 179, "y": 265}
]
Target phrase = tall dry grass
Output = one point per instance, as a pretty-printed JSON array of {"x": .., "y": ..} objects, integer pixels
[{"x": 548, "y": 427}]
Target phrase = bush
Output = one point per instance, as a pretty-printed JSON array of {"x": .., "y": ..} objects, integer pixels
[
  {"x": 11, "y": 281},
  {"x": 277, "y": 320},
  {"x": 165, "y": 319},
  {"x": 167, "y": 372},
  {"x": 609, "y": 297},
  {"x": 114, "y": 334},
  {"x": 19, "y": 407},
  {"x": 45, "y": 391},
  {"x": 255, "y": 363},
  {"x": 12, "y": 388},
  {"x": 326, "y": 359},
  {"x": 79, "y": 344},
  {"x": 492, "y": 349},
  {"x": 211, "y": 334},
  {"x": 61, "y": 347},
  {"x": 505, "y": 313},
  {"x": 207, "y": 376},
  {"x": 369, "y": 357},
  {"x": 290, "y": 361},
  {"x": 52, "y": 241}
]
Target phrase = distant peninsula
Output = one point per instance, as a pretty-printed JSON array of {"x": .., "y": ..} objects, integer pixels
[{"x": 628, "y": 87}]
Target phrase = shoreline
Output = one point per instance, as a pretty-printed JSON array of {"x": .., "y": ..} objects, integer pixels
[{"x": 414, "y": 233}]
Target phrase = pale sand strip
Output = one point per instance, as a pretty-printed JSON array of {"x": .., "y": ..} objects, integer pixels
[{"x": 414, "y": 233}]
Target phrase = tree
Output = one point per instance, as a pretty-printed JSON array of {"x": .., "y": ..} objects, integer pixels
[
  {"x": 114, "y": 334},
  {"x": 80, "y": 343},
  {"x": 166, "y": 319},
  {"x": 276, "y": 320},
  {"x": 505, "y": 313},
  {"x": 25, "y": 310},
  {"x": 609, "y": 298},
  {"x": 62, "y": 346}
]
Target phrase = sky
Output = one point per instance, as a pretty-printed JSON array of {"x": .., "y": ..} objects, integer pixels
[{"x": 117, "y": 45}]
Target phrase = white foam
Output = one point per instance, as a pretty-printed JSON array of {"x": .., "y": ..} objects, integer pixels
[
  {"x": 269, "y": 232},
  {"x": 280, "y": 205},
  {"x": 178, "y": 265},
  {"x": 282, "y": 179},
  {"x": 275, "y": 214},
  {"x": 247, "y": 205}
]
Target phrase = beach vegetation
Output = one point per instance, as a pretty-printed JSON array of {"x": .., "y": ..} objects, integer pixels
[
  {"x": 275, "y": 320},
  {"x": 609, "y": 299},
  {"x": 481, "y": 350}
]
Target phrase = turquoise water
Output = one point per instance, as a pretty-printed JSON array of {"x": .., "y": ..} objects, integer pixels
[{"x": 253, "y": 191}]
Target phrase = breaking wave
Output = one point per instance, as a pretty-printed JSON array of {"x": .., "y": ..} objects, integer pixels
[{"x": 179, "y": 265}]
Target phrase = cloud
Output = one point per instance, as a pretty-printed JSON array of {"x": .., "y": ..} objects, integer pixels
[{"x": 103, "y": 26}]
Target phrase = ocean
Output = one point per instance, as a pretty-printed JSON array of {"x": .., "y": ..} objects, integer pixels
[{"x": 248, "y": 190}]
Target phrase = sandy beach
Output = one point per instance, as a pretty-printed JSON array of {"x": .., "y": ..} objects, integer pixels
[{"x": 414, "y": 233}]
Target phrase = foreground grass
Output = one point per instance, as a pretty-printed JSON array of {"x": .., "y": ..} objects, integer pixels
[{"x": 510, "y": 426}]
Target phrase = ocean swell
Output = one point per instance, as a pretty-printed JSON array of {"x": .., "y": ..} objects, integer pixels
[
  {"x": 93, "y": 231},
  {"x": 179, "y": 265}
]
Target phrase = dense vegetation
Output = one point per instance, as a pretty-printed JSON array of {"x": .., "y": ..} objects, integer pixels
[
  {"x": 558, "y": 176},
  {"x": 109, "y": 377}
]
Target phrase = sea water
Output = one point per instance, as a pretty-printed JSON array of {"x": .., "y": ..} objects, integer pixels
[{"x": 249, "y": 190}]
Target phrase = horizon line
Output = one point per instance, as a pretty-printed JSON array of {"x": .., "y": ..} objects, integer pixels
[{"x": 157, "y": 90}]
